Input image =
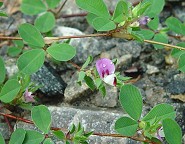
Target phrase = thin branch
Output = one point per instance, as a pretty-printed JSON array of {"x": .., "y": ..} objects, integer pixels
[
  {"x": 75, "y": 65},
  {"x": 65, "y": 130},
  {"x": 167, "y": 45},
  {"x": 62, "y": 6}
]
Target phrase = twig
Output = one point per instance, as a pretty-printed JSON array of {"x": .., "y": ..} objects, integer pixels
[
  {"x": 62, "y": 6},
  {"x": 65, "y": 130},
  {"x": 167, "y": 45},
  {"x": 8, "y": 123},
  {"x": 75, "y": 65}
]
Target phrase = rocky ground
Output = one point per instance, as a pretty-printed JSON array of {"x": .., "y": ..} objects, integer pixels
[{"x": 158, "y": 77}]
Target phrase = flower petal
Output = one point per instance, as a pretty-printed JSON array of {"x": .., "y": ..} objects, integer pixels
[
  {"x": 110, "y": 79},
  {"x": 105, "y": 67}
]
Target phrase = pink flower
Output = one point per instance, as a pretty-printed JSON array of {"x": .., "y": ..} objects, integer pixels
[
  {"x": 106, "y": 69},
  {"x": 28, "y": 97}
]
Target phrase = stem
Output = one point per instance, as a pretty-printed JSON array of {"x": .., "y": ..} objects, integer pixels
[
  {"x": 167, "y": 45},
  {"x": 97, "y": 134},
  {"x": 62, "y": 6}
]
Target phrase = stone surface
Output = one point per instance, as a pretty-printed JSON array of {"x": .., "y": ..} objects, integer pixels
[
  {"x": 151, "y": 69},
  {"x": 97, "y": 120},
  {"x": 74, "y": 91},
  {"x": 52, "y": 84},
  {"x": 4, "y": 130},
  {"x": 110, "y": 100}
]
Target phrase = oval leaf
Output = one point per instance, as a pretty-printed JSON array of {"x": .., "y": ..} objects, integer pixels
[
  {"x": 59, "y": 134},
  {"x": 120, "y": 12},
  {"x": 176, "y": 53},
  {"x": 17, "y": 136},
  {"x": 160, "y": 38},
  {"x": 2, "y": 141},
  {"x": 31, "y": 35},
  {"x": 45, "y": 22},
  {"x": 31, "y": 61},
  {"x": 32, "y": 7},
  {"x": 10, "y": 90},
  {"x": 160, "y": 111},
  {"x": 2, "y": 70},
  {"x": 33, "y": 137},
  {"x": 41, "y": 117},
  {"x": 131, "y": 101},
  {"x": 62, "y": 52},
  {"x": 126, "y": 126},
  {"x": 175, "y": 25},
  {"x": 102, "y": 24},
  {"x": 181, "y": 63},
  {"x": 48, "y": 141},
  {"x": 96, "y": 7},
  {"x": 52, "y": 3},
  {"x": 14, "y": 51},
  {"x": 172, "y": 131}
]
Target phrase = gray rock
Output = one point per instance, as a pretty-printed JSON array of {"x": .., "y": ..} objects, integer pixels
[
  {"x": 4, "y": 130},
  {"x": 52, "y": 84},
  {"x": 151, "y": 69},
  {"x": 97, "y": 120},
  {"x": 110, "y": 100},
  {"x": 176, "y": 85},
  {"x": 74, "y": 91}
]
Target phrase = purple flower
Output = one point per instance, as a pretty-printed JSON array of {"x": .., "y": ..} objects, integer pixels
[
  {"x": 106, "y": 69},
  {"x": 28, "y": 97},
  {"x": 143, "y": 20}
]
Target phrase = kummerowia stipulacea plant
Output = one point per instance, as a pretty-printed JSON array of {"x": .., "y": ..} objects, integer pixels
[{"x": 34, "y": 45}]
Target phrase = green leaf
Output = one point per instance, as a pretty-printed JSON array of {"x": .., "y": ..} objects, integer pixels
[
  {"x": 143, "y": 8},
  {"x": 31, "y": 35},
  {"x": 102, "y": 24},
  {"x": 181, "y": 63},
  {"x": 90, "y": 18},
  {"x": 32, "y": 7},
  {"x": 146, "y": 34},
  {"x": 61, "y": 52},
  {"x": 172, "y": 131},
  {"x": 154, "y": 24},
  {"x": 96, "y": 7},
  {"x": 2, "y": 141},
  {"x": 89, "y": 81},
  {"x": 175, "y": 25},
  {"x": 33, "y": 137},
  {"x": 160, "y": 37},
  {"x": 1, "y": 4},
  {"x": 131, "y": 101},
  {"x": 98, "y": 82},
  {"x": 45, "y": 22},
  {"x": 102, "y": 89},
  {"x": 41, "y": 117},
  {"x": 155, "y": 8},
  {"x": 87, "y": 62},
  {"x": 17, "y": 136},
  {"x": 48, "y": 141},
  {"x": 31, "y": 61},
  {"x": 10, "y": 90},
  {"x": 121, "y": 12},
  {"x": 2, "y": 70},
  {"x": 176, "y": 53},
  {"x": 3, "y": 14},
  {"x": 126, "y": 126},
  {"x": 14, "y": 51},
  {"x": 59, "y": 134},
  {"x": 161, "y": 111},
  {"x": 53, "y": 3},
  {"x": 81, "y": 76},
  {"x": 137, "y": 36},
  {"x": 18, "y": 43}
]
